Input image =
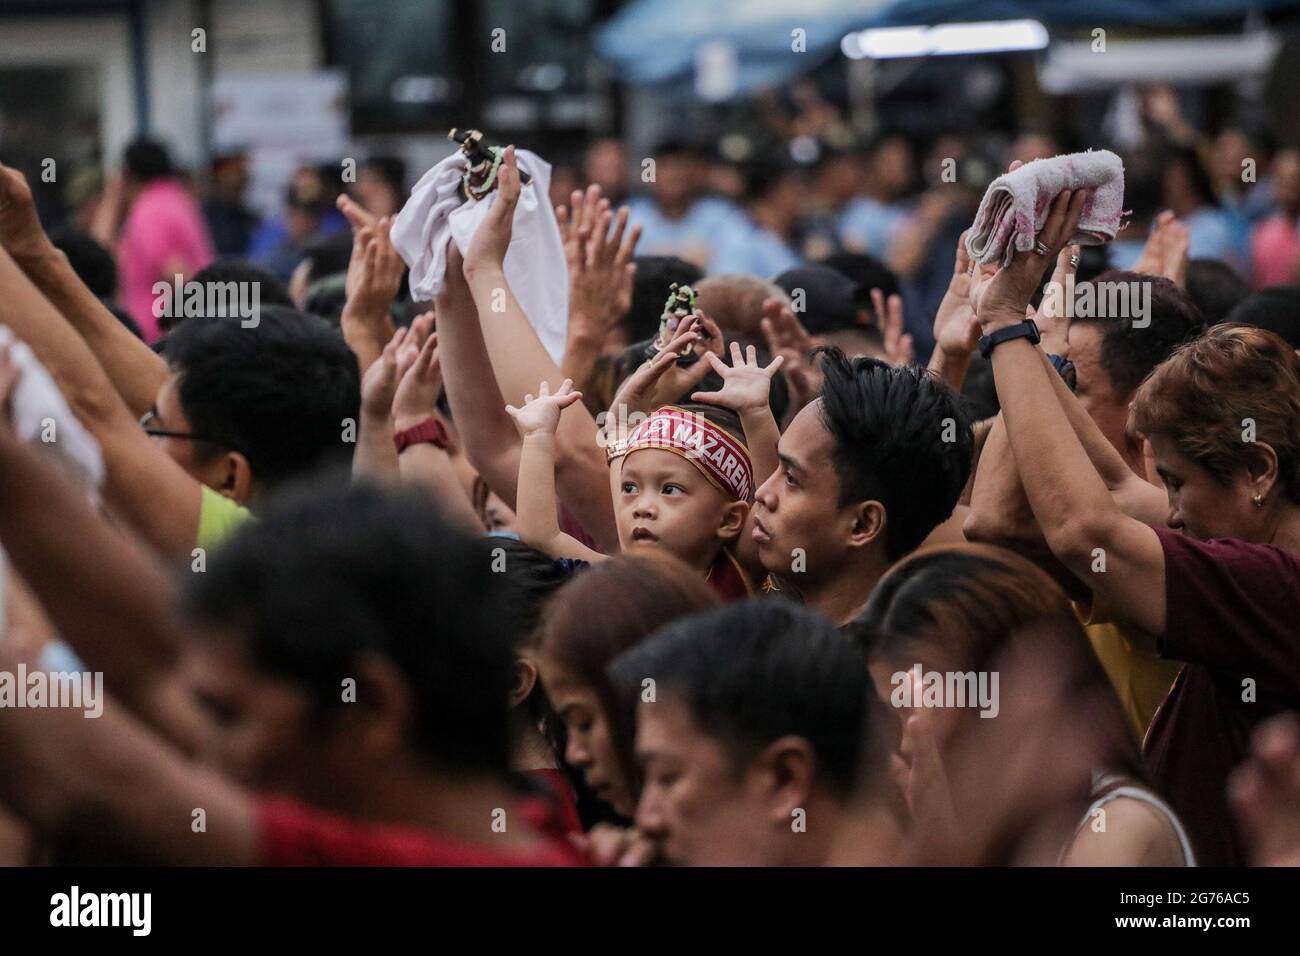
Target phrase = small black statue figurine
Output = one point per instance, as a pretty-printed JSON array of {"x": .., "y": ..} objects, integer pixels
[
  {"x": 679, "y": 307},
  {"x": 484, "y": 162}
]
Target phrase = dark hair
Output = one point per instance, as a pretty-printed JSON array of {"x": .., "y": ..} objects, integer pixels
[
  {"x": 327, "y": 255},
  {"x": 1276, "y": 308},
  {"x": 271, "y": 291},
  {"x": 391, "y": 169},
  {"x": 530, "y": 578},
  {"x": 330, "y": 574},
  {"x": 964, "y": 602},
  {"x": 888, "y": 427},
  {"x": 1129, "y": 352},
  {"x": 604, "y": 611},
  {"x": 1215, "y": 288},
  {"x": 868, "y": 272},
  {"x": 654, "y": 274},
  {"x": 1143, "y": 178},
  {"x": 147, "y": 159},
  {"x": 1198, "y": 177},
  {"x": 280, "y": 392},
  {"x": 93, "y": 264},
  {"x": 755, "y": 671}
]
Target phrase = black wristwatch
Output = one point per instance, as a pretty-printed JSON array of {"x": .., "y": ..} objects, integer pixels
[{"x": 1021, "y": 330}]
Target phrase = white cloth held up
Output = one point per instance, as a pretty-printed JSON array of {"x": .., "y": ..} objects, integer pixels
[
  {"x": 535, "y": 266},
  {"x": 1016, "y": 204}
]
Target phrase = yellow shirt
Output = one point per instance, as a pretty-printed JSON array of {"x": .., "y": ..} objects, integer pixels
[
  {"x": 218, "y": 519},
  {"x": 1140, "y": 676}
]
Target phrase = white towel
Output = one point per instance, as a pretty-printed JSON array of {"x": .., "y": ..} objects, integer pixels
[
  {"x": 1016, "y": 204},
  {"x": 41, "y": 417},
  {"x": 535, "y": 264}
]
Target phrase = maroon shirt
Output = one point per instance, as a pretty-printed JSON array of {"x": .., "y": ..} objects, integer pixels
[{"x": 1233, "y": 612}]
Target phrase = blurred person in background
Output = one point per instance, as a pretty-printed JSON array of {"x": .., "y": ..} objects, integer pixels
[
  {"x": 230, "y": 220},
  {"x": 279, "y": 244},
  {"x": 163, "y": 234},
  {"x": 1275, "y": 242},
  {"x": 676, "y": 217},
  {"x": 872, "y": 221},
  {"x": 774, "y": 193},
  {"x": 605, "y": 164},
  {"x": 381, "y": 185}
]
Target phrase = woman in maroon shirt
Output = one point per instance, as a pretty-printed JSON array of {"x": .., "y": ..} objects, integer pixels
[{"x": 1220, "y": 585}]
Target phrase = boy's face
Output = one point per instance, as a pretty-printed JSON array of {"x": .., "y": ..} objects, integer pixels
[{"x": 665, "y": 502}]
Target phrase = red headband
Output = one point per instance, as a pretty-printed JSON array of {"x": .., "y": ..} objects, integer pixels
[{"x": 722, "y": 459}]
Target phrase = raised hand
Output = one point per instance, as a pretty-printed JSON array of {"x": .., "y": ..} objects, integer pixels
[
  {"x": 898, "y": 344},
  {"x": 20, "y": 228},
  {"x": 375, "y": 270},
  {"x": 379, "y": 383},
  {"x": 416, "y": 397},
  {"x": 1002, "y": 299},
  {"x": 1056, "y": 308},
  {"x": 1165, "y": 252},
  {"x": 487, "y": 250},
  {"x": 787, "y": 338},
  {"x": 541, "y": 415},
  {"x": 746, "y": 385},
  {"x": 956, "y": 332},
  {"x": 357, "y": 215},
  {"x": 600, "y": 263}
]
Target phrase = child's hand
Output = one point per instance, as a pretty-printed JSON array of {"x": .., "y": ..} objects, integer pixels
[
  {"x": 416, "y": 397},
  {"x": 541, "y": 415},
  {"x": 487, "y": 250},
  {"x": 746, "y": 385}
]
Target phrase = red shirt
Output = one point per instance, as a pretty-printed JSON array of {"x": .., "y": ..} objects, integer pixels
[
  {"x": 1232, "y": 613},
  {"x": 728, "y": 578},
  {"x": 565, "y": 804},
  {"x": 294, "y": 834}
]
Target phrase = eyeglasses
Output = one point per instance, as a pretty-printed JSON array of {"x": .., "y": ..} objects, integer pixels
[{"x": 149, "y": 420}]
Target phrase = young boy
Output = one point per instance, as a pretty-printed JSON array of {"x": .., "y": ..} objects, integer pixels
[{"x": 681, "y": 481}]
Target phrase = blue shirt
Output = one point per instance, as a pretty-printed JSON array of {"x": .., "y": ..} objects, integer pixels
[
  {"x": 868, "y": 225},
  {"x": 695, "y": 237},
  {"x": 759, "y": 252}
]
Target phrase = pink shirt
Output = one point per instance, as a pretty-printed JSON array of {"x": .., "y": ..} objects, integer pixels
[
  {"x": 1275, "y": 251},
  {"x": 165, "y": 224}
]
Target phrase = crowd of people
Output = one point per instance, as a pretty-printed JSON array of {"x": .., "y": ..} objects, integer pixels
[{"x": 822, "y": 562}]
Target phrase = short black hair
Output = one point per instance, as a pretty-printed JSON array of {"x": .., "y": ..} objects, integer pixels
[
  {"x": 868, "y": 272},
  {"x": 654, "y": 276},
  {"x": 391, "y": 169},
  {"x": 271, "y": 291},
  {"x": 93, "y": 264},
  {"x": 1129, "y": 353},
  {"x": 891, "y": 428},
  {"x": 1215, "y": 287},
  {"x": 327, "y": 255},
  {"x": 332, "y": 573},
  {"x": 147, "y": 159},
  {"x": 754, "y": 671},
  {"x": 281, "y": 393},
  {"x": 1276, "y": 308}
]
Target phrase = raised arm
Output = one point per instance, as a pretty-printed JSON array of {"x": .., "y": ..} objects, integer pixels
[
  {"x": 108, "y": 599},
  {"x": 423, "y": 463},
  {"x": 144, "y": 486},
  {"x": 537, "y": 422},
  {"x": 112, "y": 784},
  {"x": 136, "y": 371},
  {"x": 1074, "y": 508},
  {"x": 519, "y": 362}
]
